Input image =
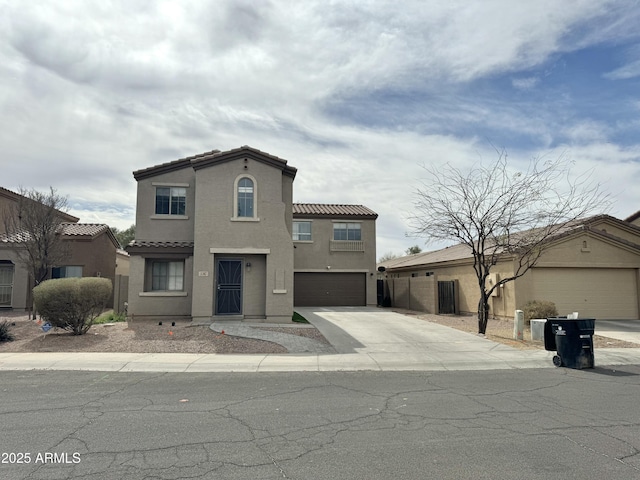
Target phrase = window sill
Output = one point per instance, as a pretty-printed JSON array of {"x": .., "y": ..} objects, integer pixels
[
  {"x": 162, "y": 294},
  {"x": 169, "y": 217},
  {"x": 303, "y": 241},
  {"x": 244, "y": 219}
]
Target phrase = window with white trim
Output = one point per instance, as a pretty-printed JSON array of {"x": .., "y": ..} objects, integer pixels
[
  {"x": 245, "y": 197},
  {"x": 347, "y": 231},
  {"x": 171, "y": 200},
  {"x": 167, "y": 275},
  {"x": 302, "y": 231}
]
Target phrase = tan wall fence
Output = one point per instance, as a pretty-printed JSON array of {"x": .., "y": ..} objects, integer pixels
[
  {"x": 413, "y": 293},
  {"x": 120, "y": 293}
]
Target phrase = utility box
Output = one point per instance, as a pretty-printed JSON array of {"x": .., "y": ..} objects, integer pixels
[
  {"x": 518, "y": 325},
  {"x": 537, "y": 329}
]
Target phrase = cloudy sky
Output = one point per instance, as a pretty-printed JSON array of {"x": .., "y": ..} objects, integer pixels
[{"x": 357, "y": 95}]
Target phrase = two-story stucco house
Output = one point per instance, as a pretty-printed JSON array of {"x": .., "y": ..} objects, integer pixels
[{"x": 215, "y": 239}]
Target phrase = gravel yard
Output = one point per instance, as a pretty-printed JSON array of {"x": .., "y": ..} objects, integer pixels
[{"x": 149, "y": 337}]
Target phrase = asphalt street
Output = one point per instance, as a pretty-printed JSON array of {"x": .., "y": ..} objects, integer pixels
[{"x": 494, "y": 424}]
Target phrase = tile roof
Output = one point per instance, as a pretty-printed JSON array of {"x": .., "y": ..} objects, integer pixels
[
  {"x": 159, "y": 244},
  {"x": 84, "y": 229},
  {"x": 171, "y": 166},
  {"x": 332, "y": 210},
  {"x": 214, "y": 156},
  {"x": 68, "y": 230}
]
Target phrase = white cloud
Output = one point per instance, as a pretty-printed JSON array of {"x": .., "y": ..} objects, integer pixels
[
  {"x": 525, "y": 83},
  {"x": 92, "y": 91},
  {"x": 630, "y": 70}
]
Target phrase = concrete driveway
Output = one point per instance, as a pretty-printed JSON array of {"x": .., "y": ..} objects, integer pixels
[
  {"x": 396, "y": 341},
  {"x": 391, "y": 338}
]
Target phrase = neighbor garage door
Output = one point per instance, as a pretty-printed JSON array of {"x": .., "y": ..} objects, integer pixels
[
  {"x": 329, "y": 289},
  {"x": 593, "y": 292}
]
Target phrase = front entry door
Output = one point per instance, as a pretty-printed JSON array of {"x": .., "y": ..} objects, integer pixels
[{"x": 229, "y": 287}]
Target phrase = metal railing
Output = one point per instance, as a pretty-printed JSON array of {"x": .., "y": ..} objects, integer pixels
[{"x": 346, "y": 246}]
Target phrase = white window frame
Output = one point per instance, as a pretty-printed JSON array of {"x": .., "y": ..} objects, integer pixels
[
  {"x": 173, "y": 281},
  {"x": 236, "y": 183},
  {"x": 173, "y": 193},
  {"x": 354, "y": 226},
  {"x": 296, "y": 234}
]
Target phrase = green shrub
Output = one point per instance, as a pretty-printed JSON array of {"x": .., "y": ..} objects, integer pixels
[
  {"x": 110, "y": 317},
  {"x": 5, "y": 334},
  {"x": 72, "y": 303},
  {"x": 539, "y": 309}
]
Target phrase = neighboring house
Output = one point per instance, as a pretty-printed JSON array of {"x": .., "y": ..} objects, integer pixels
[
  {"x": 91, "y": 253},
  {"x": 634, "y": 219},
  {"x": 122, "y": 262},
  {"x": 8, "y": 199},
  {"x": 215, "y": 239},
  {"x": 592, "y": 268}
]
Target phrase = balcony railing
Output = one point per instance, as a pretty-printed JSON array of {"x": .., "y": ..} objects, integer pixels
[{"x": 346, "y": 246}]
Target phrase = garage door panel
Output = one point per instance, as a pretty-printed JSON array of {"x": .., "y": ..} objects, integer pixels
[
  {"x": 329, "y": 289},
  {"x": 592, "y": 292}
]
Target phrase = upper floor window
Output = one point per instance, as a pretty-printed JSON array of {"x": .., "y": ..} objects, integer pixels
[
  {"x": 171, "y": 200},
  {"x": 245, "y": 197},
  {"x": 347, "y": 231},
  {"x": 302, "y": 231}
]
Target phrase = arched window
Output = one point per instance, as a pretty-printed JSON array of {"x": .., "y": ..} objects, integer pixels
[{"x": 245, "y": 198}]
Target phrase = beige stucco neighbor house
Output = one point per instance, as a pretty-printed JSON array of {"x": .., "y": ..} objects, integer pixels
[
  {"x": 215, "y": 238},
  {"x": 592, "y": 268},
  {"x": 91, "y": 252}
]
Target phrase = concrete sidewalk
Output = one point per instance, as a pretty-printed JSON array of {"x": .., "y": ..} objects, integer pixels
[
  {"x": 364, "y": 339},
  {"x": 489, "y": 359}
]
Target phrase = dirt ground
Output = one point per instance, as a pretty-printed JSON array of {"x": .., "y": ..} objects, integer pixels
[
  {"x": 138, "y": 337},
  {"x": 501, "y": 331},
  {"x": 149, "y": 337}
]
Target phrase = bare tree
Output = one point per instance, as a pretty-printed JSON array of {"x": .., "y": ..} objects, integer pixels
[
  {"x": 33, "y": 223},
  {"x": 498, "y": 213}
]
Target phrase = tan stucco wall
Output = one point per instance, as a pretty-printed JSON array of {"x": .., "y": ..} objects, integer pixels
[
  {"x": 97, "y": 256},
  {"x": 158, "y": 304},
  {"x": 316, "y": 256},
  {"x": 122, "y": 264},
  {"x": 572, "y": 256},
  {"x": 217, "y": 229},
  {"x": 152, "y": 227},
  {"x": 414, "y": 293},
  {"x": 20, "y": 280}
]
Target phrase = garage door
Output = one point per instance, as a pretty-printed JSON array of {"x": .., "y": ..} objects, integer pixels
[
  {"x": 329, "y": 289},
  {"x": 593, "y": 293}
]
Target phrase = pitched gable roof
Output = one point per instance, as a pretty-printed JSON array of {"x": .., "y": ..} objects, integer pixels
[
  {"x": 85, "y": 231},
  {"x": 11, "y": 195},
  {"x": 215, "y": 157},
  {"x": 463, "y": 252},
  {"x": 171, "y": 166},
  {"x": 244, "y": 152}
]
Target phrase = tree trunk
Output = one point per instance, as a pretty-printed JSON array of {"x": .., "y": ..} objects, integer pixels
[{"x": 483, "y": 313}]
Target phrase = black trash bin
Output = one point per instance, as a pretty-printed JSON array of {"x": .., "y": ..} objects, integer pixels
[{"x": 572, "y": 339}]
